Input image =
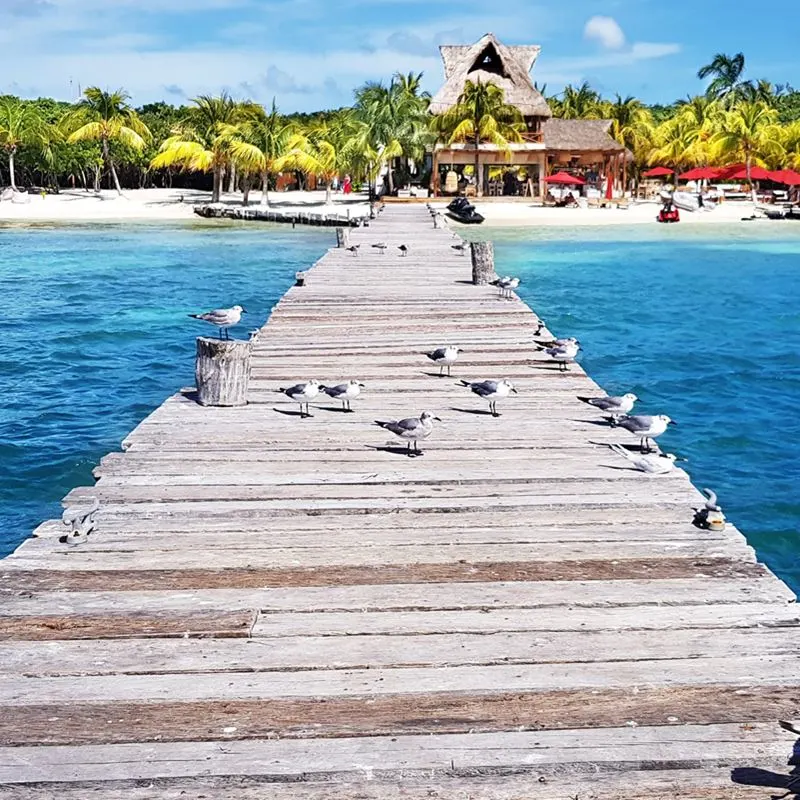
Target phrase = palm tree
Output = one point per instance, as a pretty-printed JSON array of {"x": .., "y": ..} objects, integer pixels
[
  {"x": 107, "y": 117},
  {"x": 270, "y": 133},
  {"x": 632, "y": 122},
  {"x": 202, "y": 142},
  {"x": 726, "y": 73},
  {"x": 684, "y": 140},
  {"x": 397, "y": 116},
  {"x": 481, "y": 115},
  {"x": 580, "y": 103},
  {"x": 21, "y": 125},
  {"x": 749, "y": 132}
]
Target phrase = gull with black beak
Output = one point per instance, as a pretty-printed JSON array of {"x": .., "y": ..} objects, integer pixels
[
  {"x": 411, "y": 430},
  {"x": 344, "y": 392},
  {"x": 403, "y": 248},
  {"x": 380, "y": 246},
  {"x": 461, "y": 247},
  {"x": 507, "y": 285},
  {"x": 353, "y": 248},
  {"x": 223, "y": 318},
  {"x": 614, "y": 405},
  {"x": 491, "y": 391},
  {"x": 656, "y": 464},
  {"x": 445, "y": 357},
  {"x": 563, "y": 355},
  {"x": 303, "y": 393}
]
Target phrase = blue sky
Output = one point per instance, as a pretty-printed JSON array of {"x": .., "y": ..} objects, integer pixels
[{"x": 310, "y": 54}]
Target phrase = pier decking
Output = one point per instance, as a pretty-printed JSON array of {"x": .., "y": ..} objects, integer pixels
[{"x": 274, "y": 608}]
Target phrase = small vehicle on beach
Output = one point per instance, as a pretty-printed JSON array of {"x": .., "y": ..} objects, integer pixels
[
  {"x": 668, "y": 213},
  {"x": 462, "y": 210}
]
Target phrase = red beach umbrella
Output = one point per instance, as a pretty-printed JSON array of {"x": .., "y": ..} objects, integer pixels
[
  {"x": 699, "y": 174},
  {"x": 756, "y": 174},
  {"x": 788, "y": 177},
  {"x": 565, "y": 179},
  {"x": 658, "y": 172}
]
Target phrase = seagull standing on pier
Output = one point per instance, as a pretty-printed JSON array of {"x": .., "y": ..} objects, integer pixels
[
  {"x": 223, "y": 318},
  {"x": 461, "y": 247},
  {"x": 507, "y": 285},
  {"x": 403, "y": 249},
  {"x": 613, "y": 405},
  {"x": 563, "y": 355},
  {"x": 380, "y": 246},
  {"x": 302, "y": 393},
  {"x": 353, "y": 249},
  {"x": 645, "y": 427},
  {"x": 411, "y": 430},
  {"x": 491, "y": 391},
  {"x": 657, "y": 464},
  {"x": 444, "y": 357},
  {"x": 344, "y": 392}
]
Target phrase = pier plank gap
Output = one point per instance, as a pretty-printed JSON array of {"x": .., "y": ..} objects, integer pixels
[{"x": 276, "y": 608}]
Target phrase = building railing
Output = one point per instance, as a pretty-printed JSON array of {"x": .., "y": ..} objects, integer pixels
[{"x": 536, "y": 137}]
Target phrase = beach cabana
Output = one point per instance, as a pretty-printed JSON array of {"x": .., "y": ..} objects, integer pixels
[{"x": 546, "y": 144}]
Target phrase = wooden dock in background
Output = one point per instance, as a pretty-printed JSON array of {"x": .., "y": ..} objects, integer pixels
[{"x": 274, "y": 608}]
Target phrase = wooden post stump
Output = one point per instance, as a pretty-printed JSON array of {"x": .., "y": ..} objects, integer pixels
[
  {"x": 342, "y": 237},
  {"x": 482, "y": 263},
  {"x": 222, "y": 371}
]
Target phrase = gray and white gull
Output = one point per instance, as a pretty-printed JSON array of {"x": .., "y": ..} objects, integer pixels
[
  {"x": 491, "y": 391},
  {"x": 411, "y": 430}
]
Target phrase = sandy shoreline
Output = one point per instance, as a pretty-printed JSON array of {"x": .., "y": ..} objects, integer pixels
[{"x": 156, "y": 205}]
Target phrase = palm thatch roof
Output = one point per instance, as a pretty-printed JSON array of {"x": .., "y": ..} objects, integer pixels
[
  {"x": 490, "y": 61},
  {"x": 580, "y": 135}
]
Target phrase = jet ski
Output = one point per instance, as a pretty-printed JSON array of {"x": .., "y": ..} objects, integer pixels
[{"x": 463, "y": 211}]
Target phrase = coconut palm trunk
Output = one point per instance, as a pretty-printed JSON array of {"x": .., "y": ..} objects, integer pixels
[
  {"x": 217, "y": 187},
  {"x": 265, "y": 189},
  {"x": 478, "y": 182},
  {"x": 328, "y": 199},
  {"x": 11, "y": 168},
  {"x": 110, "y": 162},
  {"x": 246, "y": 181},
  {"x": 232, "y": 180}
]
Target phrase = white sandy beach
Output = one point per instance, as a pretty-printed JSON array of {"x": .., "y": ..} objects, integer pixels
[{"x": 176, "y": 204}]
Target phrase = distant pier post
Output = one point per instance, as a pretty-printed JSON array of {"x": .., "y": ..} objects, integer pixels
[
  {"x": 342, "y": 237},
  {"x": 482, "y": 263},
  {"x": 222, "y": 371}
]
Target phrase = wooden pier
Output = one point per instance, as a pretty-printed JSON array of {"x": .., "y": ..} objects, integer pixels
[{"x": 276, "y": 608}]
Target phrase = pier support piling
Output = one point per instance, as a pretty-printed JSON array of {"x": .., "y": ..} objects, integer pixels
[
  {"x": 482, "y": 263},
  {"x": 342, "y": 237},
  {"x": 222, "y": 371}
]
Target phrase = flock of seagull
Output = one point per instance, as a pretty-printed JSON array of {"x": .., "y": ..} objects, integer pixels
[{"x": 562, "y": 351}]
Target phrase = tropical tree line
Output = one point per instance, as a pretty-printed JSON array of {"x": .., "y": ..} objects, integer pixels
[{"x": 102, "y": 140}]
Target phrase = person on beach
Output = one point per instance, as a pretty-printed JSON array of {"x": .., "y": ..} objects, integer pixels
[{"x": 347, "y": 186}]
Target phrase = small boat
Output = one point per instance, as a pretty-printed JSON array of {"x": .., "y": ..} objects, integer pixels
[{"x": 463, "y": 211}]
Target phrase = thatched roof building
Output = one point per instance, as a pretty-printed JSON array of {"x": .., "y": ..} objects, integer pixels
[
  {"x": 583, "y": 146},
  {"x": 490, "y": 61}
]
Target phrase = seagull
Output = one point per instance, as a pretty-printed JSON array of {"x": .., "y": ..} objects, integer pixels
[
  {"x": 302, "y": 393},
  {"x": 507, "y": 285},
  {"x": 411, "y": 429},
  {"x": 344, "y": 392},
  {"x": 353, "y": 249},
  {"x": 658, "y": 464},
  {"x": 403, "y": 249},
  {"x": 645, "y": 427},
  {"x": 461, "y": 247},
  {"x": 444, "y": 357},
  {"x": 563, "y": 354},
  {"x": 223, "y": 318},
  {"x": 492, "y": 391},
  {"x": 616, "y": 405},
  {"x": 380, "y": 246},
  {"x": 540, "y": 326},
  {"x": 559, "y": 342}
]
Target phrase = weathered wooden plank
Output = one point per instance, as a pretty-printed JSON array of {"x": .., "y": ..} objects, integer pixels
[
  {"x": 149, "y": 579},
  {"x": 392, "y": 757},
  {"x": 390, "y": 715},
  {"x": 153, "y": 656},
  {"x": 111, "y": 626}
]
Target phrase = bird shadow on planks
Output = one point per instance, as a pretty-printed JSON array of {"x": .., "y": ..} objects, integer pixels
[
  {"x": 481, "y": 412},
  {"x": 395, "y": 450},
  {"x": 288, "y": 413},
  {"x": 754, "y": 776}
]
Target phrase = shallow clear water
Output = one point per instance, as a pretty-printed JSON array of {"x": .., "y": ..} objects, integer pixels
[
  {"x": 702, "y": 324},
  {"x": 95, "y": 335}
]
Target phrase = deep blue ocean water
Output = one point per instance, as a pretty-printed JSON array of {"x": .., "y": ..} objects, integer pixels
[
  {"x": 701, "y": 323},
  {"x": 95, "y": 335}
]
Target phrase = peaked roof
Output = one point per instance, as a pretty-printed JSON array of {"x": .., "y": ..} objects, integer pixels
[{"x": 490, "y": 61}]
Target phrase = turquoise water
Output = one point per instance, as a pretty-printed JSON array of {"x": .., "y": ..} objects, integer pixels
[
  {"x": 702, "y": 324},
  {"x": 95, "y": 335}
]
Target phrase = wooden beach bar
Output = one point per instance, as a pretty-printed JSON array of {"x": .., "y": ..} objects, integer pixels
[{"x": 277, "y": 608}]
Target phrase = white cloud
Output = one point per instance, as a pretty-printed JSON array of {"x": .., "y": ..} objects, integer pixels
[{"x": 606, "y": 31}]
